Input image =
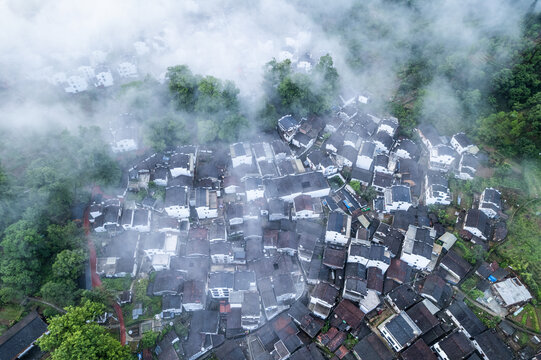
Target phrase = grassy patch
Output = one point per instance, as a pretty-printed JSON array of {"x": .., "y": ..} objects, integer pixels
[
  {"x": 154, "y": 306},
  {"x": 532, "y": 178},
  {"x": 10, "y": 314},
  {"x": 522, "y": 250},
  {"x": 117, "y": 284}
]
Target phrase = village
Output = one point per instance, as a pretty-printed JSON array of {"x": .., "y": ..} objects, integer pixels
[
  {"x": 271, "y": 180},
  {"x": 266, "y": 250}
]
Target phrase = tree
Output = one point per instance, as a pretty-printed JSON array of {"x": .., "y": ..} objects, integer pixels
[
  {"x": 61, "y": 237},
  {"x": 61, "y": 293},
  {"x": 231, "y": 126},
  {"x": 166, "y": 133},
  {"x": 148, "y": 339},
  {"x": 6, "y": 197},
  {"x": 68, "y": 264},
  {"x": 76, "y": 335},
  {"x": 298, "y": 93},
  {"x": 183, "y": 86},
  {"x": 23, "y": 248},
  {"x": 8, "y": 294},
  {"x": 327, "y": 76},
  {"x": 369, "y": 194}
]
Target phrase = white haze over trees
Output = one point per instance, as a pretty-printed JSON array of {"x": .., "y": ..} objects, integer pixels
[{"x": 232, "y": 40}]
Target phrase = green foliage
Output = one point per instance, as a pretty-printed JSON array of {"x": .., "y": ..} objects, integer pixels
[
  {"x": 68, "y": 264},
  {"x": 487, "y": 319},
  {"x": 368, "y": 193},
  {"x": 166, "y": 133},
  {"x": 300, "y": 94},
  {"x": 75, "y": 335},
  {"x": 100, "y": 295},
  {"x": 326, "y": 327},
  {"x": 212, "y": 103},
  {"x": 522, "y": 250},
  {"x": 443, "y": 215},
  {"x": 10, "y": 314},
  {"x": 356, "y": 186},
  {"x": 515, "y": 133},
  {"x": 27, "y": 256},
  {"x": 335, "y": 182},
  {"x": 61, "y": 293},
  {"x": 470, "y": 253},
  {"x": 9, "y": 294},
  {"x": 183, "y": 86},
  {"x": 117, "y": 284},
  {"x": 469, "y": 287},
  {"x": 351, "y": 341},
  {"x": 23, "y": 247},
  {"x": 181, "y": 329},
  {"x": 148, "y": 340},
  {"x": 60, "y": 237},
  {"x": 7, "y": 213}
]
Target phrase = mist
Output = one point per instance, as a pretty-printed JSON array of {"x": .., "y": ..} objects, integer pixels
[{"x": 232, "y": 40}]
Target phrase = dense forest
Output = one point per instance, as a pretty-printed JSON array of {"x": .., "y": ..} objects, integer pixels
[{"x": 42, "y": 249}]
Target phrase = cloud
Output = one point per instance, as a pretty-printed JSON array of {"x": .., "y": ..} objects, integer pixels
[{"x": 233, "y": 39}]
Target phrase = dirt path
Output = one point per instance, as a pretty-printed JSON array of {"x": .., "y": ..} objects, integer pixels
[{"x": 57, "y": 308}]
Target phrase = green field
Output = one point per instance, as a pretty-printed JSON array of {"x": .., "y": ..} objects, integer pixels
[
  {"x": 522, "y": 250},
  {"x": 529, "y": 317},
  {"x": 9, "y": 314}
]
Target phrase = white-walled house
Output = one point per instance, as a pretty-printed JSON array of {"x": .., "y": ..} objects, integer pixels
[
  {"x": 366, "y": 156},
  {"x": 181, "y": 164},
  {"x": 241, "y": 154},
  {"x": 383, "y": 141},
  {"x": 306, "y": 207},
  {"x": 476, "y": 223},
  {"x": 441, "y": 157},
  {"x": 127, "y": 70},
  {"x": 397, "y": 197},
  {"x": 389, "y": 126},
  {"x": 104, "y": 79},
  {"x": 370, "y": 255},
  {"x": 87, "y": 72},
  {"x": 287, "y": 127},
  {"x": 141, "y": 220},
  {"x": 406, "y": 149},
  {"x": 323, "y": 299},
  {"x": 436, "y": 189},
  {"x": 338, "y": 228},
  {"x": 176, "y": 202},
  {"x": 461, "y": 143},
  {"x": 467, "y": 166},
  {"x": 76, "y": 84},
  {"x": 205, "y": 202},
  {"x": 418, "y": 246},
  {"x": 254, "y": 189},
  {"x": 290, "y": 186},
  {"x": 490, "y": 202}
]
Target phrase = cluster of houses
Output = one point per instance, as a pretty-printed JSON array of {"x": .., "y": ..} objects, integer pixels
[
  {"x": 101, "y": 75},
  {"x": 103, "y": 70},
  {"x": 267, "y": 246}
]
